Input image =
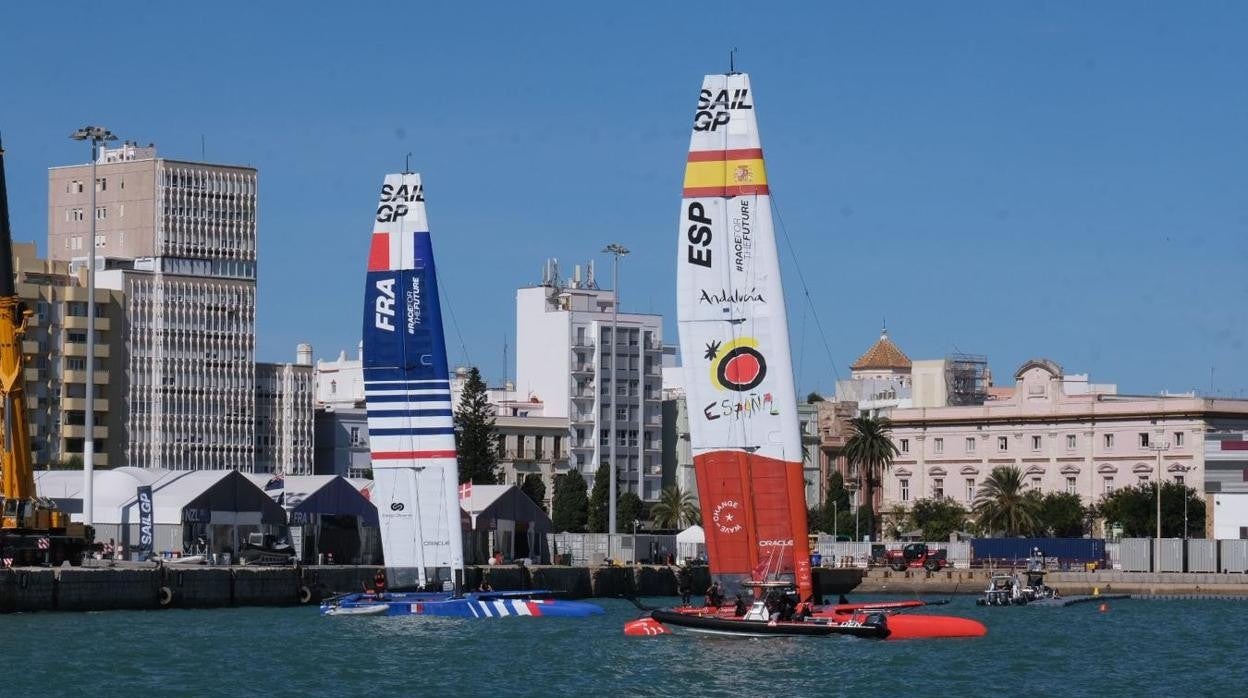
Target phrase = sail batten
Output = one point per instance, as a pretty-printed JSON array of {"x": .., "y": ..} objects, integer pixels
[
  {"x": 735, "y": 348},
  {"x": 407, "y": 393}
]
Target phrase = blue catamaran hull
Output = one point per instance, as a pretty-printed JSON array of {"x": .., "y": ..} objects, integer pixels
[{"x": 482, "y": 605}]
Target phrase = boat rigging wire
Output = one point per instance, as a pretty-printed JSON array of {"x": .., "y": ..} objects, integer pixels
[{"x": 775, "y": 206}]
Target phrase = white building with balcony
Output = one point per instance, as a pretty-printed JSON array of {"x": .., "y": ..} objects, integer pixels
[{"x": 564, "y": 358}]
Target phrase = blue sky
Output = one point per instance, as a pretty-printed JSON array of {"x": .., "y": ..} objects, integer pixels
[{"x": 1016, "y": 179}]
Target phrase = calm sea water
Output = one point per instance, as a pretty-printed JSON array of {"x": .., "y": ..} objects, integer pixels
[{"x": 1168, "y": 648}]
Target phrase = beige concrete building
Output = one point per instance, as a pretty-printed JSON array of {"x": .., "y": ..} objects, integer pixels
[
  {"x": 1064, "y": 433},
  {"x": 178, "y": 240},
  {"x": 284, "y": 415},
  {"x": 55, "y": 349}
]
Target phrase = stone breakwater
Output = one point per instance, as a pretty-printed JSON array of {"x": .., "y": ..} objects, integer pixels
[
  {"x": 920, "y": 582},
  {"x": 173, "y": 586}
]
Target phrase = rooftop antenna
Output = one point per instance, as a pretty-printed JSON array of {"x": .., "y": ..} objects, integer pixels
[
  {"x": 407, "y": 164},
  {"x": 732, "y": 61}
]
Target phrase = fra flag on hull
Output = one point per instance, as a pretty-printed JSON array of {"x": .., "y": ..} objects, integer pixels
[{"x": 145, "y": 520}]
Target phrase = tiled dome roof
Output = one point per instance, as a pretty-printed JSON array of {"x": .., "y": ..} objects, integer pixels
[{"x": 883, "y": 354}]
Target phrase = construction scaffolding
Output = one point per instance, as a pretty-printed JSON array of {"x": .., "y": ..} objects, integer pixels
[{"x": 966, "y": 379}]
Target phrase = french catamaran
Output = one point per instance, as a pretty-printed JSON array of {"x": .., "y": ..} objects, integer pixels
[
  {"x": 734, "y": 344},
  {"x": 412, "y": 434}
]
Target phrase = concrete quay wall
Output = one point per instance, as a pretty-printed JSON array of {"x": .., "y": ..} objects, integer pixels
[
  {"x": 173, "y": 586},
  {"x": 919, "y": 582}
]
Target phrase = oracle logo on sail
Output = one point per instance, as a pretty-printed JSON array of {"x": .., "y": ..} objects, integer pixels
[
  {"x": 775, "y": 543},
  {"x": 394, "y": 200},
  {"x": 699, "y": 235},
  {"x": 725, "y": 516},
  {"x": 715, "y": 110}
]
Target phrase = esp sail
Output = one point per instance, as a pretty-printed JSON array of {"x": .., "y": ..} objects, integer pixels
[
  {"x": 734, "y": 344},
  {"x": 408, "y": 396}
]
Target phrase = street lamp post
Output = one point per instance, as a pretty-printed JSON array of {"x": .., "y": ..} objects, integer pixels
[
  {"x": 617, "y": 251},
  {"x": 1158, "y": 448},
  {"x": 96, "y": 135},
  {"x": 835, "y": 511}
]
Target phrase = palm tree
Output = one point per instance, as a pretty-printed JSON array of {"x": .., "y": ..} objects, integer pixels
[
  {"x": 675, "y": 509},
  {"x": 870, "y": 449},
  {"x": 1004, "y": 505}
]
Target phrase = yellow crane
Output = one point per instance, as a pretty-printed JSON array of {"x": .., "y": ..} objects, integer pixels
[{"x": 32, "y": 529}]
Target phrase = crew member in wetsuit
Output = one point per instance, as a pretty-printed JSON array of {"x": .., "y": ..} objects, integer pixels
[
  {"x": 739, "y": 610},
  {"x": 684, "y": 585},
  {"x": 715, "y": 595},
  {"x": 379, "y": 582}
]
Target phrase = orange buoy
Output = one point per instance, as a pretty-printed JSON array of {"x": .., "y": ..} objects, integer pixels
[{"x": 645, "y": 627}]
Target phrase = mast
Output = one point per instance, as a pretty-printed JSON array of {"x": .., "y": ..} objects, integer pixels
[
  {"x": 408, "y": 396},
  {"x": 735, "y": 348}
]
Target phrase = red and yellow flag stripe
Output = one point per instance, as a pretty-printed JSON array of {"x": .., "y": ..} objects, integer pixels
[{"x": 725, "y": 173}]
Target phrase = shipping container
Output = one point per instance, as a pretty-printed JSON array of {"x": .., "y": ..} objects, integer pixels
[
  {"x": 1234, "y": 555},
  {"x": 1171, "y": 555},
  {"x": 1062, "y": 552},
  {"x": 1202, "y": 555},
  {"x": 1136, "y": 554}
]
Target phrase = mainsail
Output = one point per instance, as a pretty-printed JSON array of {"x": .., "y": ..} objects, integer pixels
[
  {"x": 407, "y": 390},
  {"x": 734, "y": 344}
]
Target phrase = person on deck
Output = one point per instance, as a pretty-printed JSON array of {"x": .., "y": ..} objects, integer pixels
[
  {"x": 715, "y": 595},
  {"x": 379, "y": 582},
  {"x": 684, "y": 585},
  {"x": 484, "y": 586},
  {"x": 740, "y": 609}
]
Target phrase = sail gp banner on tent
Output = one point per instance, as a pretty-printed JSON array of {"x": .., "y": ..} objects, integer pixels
[{"x": 145, "y": 519}]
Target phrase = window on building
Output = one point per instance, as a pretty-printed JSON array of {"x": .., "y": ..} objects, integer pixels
[
  {"x": 1143, "y": 479},
  {"x": 1071, "y": 442},
  {"x": 555, "y": 451},
  {"x": 537, "y": 448},
  {"x": 355, "y": 436},
  {"x": 904, "y": 445},
  {"x": 121, "y": 210},
  {"x": 101, "y": 213},
  {"x": 1035, "y": 443},
  {"x": 77, "y": 184},
  {"x": 621, "y": 414},
  {"x": 1179, "y": 480},
  {"x": 938, "y": 487},
  {"x": 970, "y": 444},
  {"x": 1178, "y": 438},
  {"x": 1108, "y": 481},
  {"x": 1109, "y": 441},
  {"x": 1072, "y": 484},
  {"x": 1035, "y": 482},
  {"x": 101, "y": 184},
  {"x": 604, "y": 438},
  {"x": 1003, "y": 443},
  {"x": 904, "y": 485},
  {"x": 938, "y": 444},
  {"x": 970, "y": 489},
  {"x": 1143, "y": 439},
  {"x": 502, "y": 446},
  {"x": 77, "y": 214}
]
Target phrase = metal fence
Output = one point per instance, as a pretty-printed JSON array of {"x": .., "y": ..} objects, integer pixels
[
  {"x": 592, "y": 548},
  {"x": 834, "y": 553}
]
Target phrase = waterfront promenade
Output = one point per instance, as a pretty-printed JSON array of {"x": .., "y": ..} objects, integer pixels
[{"x": 919, "y": 582}]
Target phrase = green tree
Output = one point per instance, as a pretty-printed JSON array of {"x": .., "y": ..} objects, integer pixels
[
  {"x": 535, "y": 488},
  {"x": 1002, "y": 504},
  {"x": 1061, "y": 515},
  {"x": 813, "y": 397},
  {"x": 938, "y": 517},
  {"x": 570, "y": 503},
  {"x": 1135, "y": 509},
  {"x": 835, "y": 515},
  {"x": 871, "y": 450},
  {"x": 476, "y": 439},
  {"x": 627, "y": 511},
  {"x": 599, "y": 501},
  {"x": 675, "y": 509}
]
